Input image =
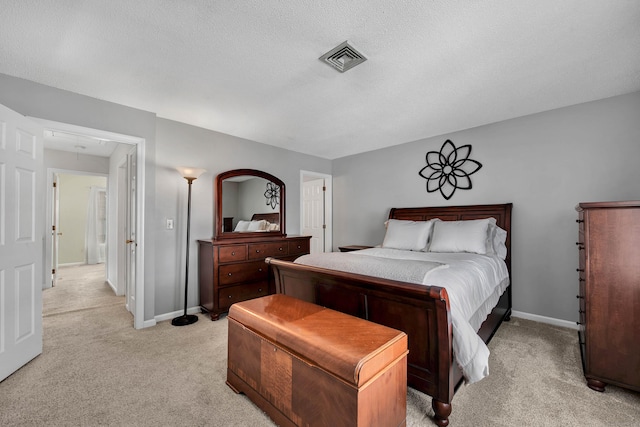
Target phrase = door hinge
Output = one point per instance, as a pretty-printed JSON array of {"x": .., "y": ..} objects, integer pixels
[
  {"x": 324, "y": 188},
  {"x": 53, "y": 271},
  {"x": 324, "y": 226},
  {"x": 55, "y": 184},
  {"x": 53, "y": 227}
]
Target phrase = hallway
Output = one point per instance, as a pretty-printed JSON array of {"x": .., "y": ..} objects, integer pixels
[{"x": 79, "y": 287}]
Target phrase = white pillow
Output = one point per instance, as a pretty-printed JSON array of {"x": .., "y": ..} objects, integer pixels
[
  {"x": 460, "y": 236},
  {"x": 491, "y": 234},
  {"x": 257, "y": 225},
  {"x": 407, "y": 235},
  {"x": 496, "y": 241},
  {"x": 242, "y": 225}
]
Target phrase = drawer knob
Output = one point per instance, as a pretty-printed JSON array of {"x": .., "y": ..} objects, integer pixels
[
  {"x": 299, "y": 246},
  {"x": 259, "y": 289},
  {"x": 229, "y": 274},
  {"x": 229, "y": 297},
  {"x": 257, "y": 251},
  {"x": 280, "y": 248},
  {"x": 233, "y": 254},
  {"x": 260, "y": 270}
]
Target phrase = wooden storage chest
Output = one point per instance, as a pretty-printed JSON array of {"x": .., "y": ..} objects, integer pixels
[{"x": 308, "y": 365}]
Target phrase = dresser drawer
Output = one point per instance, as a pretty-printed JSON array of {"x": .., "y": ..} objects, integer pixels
[
  {"x": 244, "y": 272},
  {"x": 263, "y": 250},
  {"x": 233, "y": 269},
  {"x": 299, "y": 247},
  {"x": 232, "y": 253},
  {"x": 233, "y": 294}
]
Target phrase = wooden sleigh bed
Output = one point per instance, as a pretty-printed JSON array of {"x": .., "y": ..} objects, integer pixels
[{"x": 422, "y": 312}]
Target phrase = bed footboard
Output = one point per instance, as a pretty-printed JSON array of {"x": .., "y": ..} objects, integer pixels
[{"x": 422, "y": 312}]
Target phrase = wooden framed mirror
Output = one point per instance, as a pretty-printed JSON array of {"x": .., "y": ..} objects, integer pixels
[{"x": 249, "y": 203}]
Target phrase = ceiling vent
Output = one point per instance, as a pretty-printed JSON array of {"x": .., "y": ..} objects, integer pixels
[{"x": 343, "y": 57}]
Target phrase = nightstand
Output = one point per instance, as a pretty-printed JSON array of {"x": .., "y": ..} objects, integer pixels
[{"x": 351, "y": 248}]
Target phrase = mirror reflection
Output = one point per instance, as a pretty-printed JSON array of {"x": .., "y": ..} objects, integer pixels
[{"x": 249, "y": 203}]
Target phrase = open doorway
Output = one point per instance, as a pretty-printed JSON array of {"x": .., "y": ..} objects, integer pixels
[{"x": 70, "y": 149}]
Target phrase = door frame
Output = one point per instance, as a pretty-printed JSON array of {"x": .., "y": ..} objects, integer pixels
[
  {"x": 138, "y": 318},
  {"x": 121, "y": 232},
  {"x": 328, "y": 208},
  {"x": 53, "y": 216}
]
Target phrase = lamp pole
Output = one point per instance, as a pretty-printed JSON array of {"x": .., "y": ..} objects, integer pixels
[{"x": 186, "y": 319}]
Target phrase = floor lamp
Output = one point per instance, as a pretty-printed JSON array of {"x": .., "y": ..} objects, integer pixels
[{"x": 190, "y": 174}]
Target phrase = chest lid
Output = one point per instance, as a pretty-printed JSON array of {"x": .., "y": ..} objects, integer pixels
[{"x": 348, "y": 347}]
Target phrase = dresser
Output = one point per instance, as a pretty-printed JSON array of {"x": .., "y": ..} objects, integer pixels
[
  {"x": 234, "y": 270},
  {"x": 609, "y": 293}
]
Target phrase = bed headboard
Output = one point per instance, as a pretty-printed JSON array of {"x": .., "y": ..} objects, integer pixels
[
  {"x": 502, "y": 214},
  {"x": 273, "y": 217}
]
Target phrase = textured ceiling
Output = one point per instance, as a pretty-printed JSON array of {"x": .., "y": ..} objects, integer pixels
[{"x": 250, "y": 68}]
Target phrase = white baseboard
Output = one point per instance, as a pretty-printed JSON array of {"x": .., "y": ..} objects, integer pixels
[
  {"x": 544, "y": 319},
  {"x": 149, "y": 323},
  {"x": 113, "y": 288},
  {"x": 169, "y": 316},
  {"x": 514, "y": 313},
  {"x": 71, "y": 264}
]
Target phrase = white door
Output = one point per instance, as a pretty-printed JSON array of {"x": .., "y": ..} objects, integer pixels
[
  {"x": 130, "y": 232},
  {"x": 313, "y": 214},
  {"x": 21, "y": 240},
  {"x": 55, "y": 230}
]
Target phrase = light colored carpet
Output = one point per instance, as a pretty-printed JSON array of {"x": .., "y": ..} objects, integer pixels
[
  {"x": 97, "y": 370},
  {"x": 79, "y": 287}
]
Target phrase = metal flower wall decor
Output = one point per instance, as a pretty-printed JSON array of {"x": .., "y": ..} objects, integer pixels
[
  {"x": 272, "y": 194},
  {"x": 449, "y": 169}
]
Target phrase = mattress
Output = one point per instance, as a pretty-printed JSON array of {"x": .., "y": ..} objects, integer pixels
[{"x": 473, "y": 282}]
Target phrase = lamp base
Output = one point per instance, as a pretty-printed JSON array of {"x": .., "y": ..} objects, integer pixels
[{"x": 184, "y": 320}]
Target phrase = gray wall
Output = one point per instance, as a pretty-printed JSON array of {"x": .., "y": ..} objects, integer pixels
[
  {"x": 252, "y": 199},
  {"x": 176, "y": 144},
  {"x": 230, "y": 201},
  {"x": 45, "y": 102},
  {"x": 544, "y": 164},
  {"x": 179, "y": 144},
  {"x": 56, "y": 159}
]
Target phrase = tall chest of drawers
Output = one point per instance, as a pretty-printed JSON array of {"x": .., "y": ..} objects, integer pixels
[
  {"x": 234, "y": 270},
  {"x": 609, "y": 293}
]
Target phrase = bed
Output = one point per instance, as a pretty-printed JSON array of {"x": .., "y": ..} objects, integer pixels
[
  {"x": 423, "y": 312},
  {"x": 259, "y": 222}
]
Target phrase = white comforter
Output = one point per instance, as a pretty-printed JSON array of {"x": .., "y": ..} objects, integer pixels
[{"x": 474, "y": 284}]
